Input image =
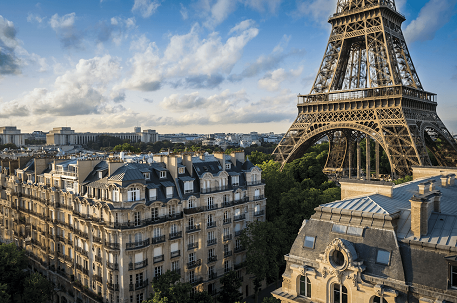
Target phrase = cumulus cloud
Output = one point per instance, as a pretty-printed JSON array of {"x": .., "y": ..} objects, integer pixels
[
  {"x": 318, "y": 9},
  {"x": 227, "y": 108},
  {"x": 81, "y": 91},
  {"x": 243, "y": 25},
  {"x": 272, "y": 80},
  {"x": 115, "y": 30},
  {"x": 65, "y": 29},
  {"x": 219, "y": 11},
  {"x": 145, "y": 7},
  {"x": 9, "y": 61},
  {"x": 434, "y": 15},
  {"x": 201, "y": 62},
  {"x": 264, "y": 5},
  {"x": 35, "y": 18},
  {"x": 184, "y": 12}
]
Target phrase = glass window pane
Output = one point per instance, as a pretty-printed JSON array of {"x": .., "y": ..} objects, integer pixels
[
  {"x": 341, "y": 229},
  {"x": 355, "y": 231},
  {"x": 383, "y": 257},
  {"x": 302, "y": 286},
  {"x": 309, "y": 242},
  {"x": 336, "y": 293},
  {"x": 308, "y": 288}
]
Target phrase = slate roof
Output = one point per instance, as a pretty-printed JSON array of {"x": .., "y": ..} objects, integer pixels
[{"x": 127, "y": 172}]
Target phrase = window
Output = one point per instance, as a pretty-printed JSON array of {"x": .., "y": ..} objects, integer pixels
[
  {"x": 137, "y": 218},
  {"x": 210, "y": 220},
  {"x": 147, "y": 176},
  {"x": 115, "y": 195},
  {"x": 175, "y": 266},
  {"x": 191, "y": 203},
  {"x": 340, "y": 294},
  {"x": 228, "y": 165},
  {"x": 309, "y": 242},
  {"x": 188, "y": 187},
  {"x": 379, "y": 300},
  {"x": 238, "y": 244},
  {"x": 210, "y": 202},
  {"x": 157, "y": 232},
  {"x": 305, "y": 287},
  {"x": 157, "y": 271},
  {"x": 210, "y": 253},
  {"x": 383, "y": 257},
  {"x": 350, "y": 230},
  {"x": 139, "y": 298},
  {"x": 163, "y": 174},
  {"x": 133, "y": 194},
  {"x": 155, "y": 213},
  {"x": 173, "y": 228},
  {"x": 192, "y": 276},
  {"x": 454, "y": 276},
  {"x": 235, "y": 180},
  {"x": 152, "y": 194},
  {"x": 191, "y": 257},
  {"x": 181, "y": 170},
  {"x": 171, "y": 210},
  {"x": 227, "y": 267},
  {"x": 191, "y": 222},
  {"x": 341, "y": 229}
]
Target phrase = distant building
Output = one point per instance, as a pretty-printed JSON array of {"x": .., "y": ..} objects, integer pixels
[
  {"x": 67, "y": 136},
  {"x": 10, "y": 134},
  {"x": 382, "y": 243}
]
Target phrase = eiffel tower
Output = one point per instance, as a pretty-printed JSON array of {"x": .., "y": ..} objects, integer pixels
[{"x": 368, "y": 89}]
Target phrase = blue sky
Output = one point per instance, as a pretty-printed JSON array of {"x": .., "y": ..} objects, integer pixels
[{"x": 188, "y": 66}]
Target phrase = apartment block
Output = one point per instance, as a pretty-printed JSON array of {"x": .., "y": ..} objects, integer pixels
[{"x": 101, "y": 229}]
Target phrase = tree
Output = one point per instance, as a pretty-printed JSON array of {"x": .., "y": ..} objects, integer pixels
[
  {"x": 201, "y": 297},
  {"x": 263, "y": 242},
  {"x": 257, "y": 157},
  {"x": 230, "y": 285},
  {"x": 4, "y": 296},
  {"x": 37, "y": 289},
  {"x": 271, "y": 300},
  {"x": 12, "y": 265}
]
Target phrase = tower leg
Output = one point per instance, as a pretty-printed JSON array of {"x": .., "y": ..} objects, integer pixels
[
  {"x": 377, "y": 159},
  {"x": 368, "y": 168},
  {"x": 359, "y": 158}
]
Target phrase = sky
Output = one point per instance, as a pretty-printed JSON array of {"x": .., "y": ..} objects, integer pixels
[{"x": 198, "y": 66}]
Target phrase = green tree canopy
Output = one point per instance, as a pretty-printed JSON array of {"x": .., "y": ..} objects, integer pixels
[
  {"x": 12, "y": 265},
  {"x": 37, "y": 289},
  {"x": 230, "y": 285}
]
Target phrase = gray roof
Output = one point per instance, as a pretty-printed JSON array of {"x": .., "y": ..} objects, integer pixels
[
  {"x": 167, "y": 183},
  {"x": 152, "y": 185},
  {"x": 127, "y": 172},
  {"x": 186, "y": 178}
]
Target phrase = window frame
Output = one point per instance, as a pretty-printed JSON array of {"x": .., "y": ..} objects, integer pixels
[
  {"x": 451, "y": 280},
  {"x": 314, "y": 241},
  {"x": 307, "y": 284},
  {"x": 377, "y": 256}
]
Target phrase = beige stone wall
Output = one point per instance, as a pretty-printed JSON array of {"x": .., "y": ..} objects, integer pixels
[
  {"x": 420, "y": 172},
  {"x": 349, "y": 190}
]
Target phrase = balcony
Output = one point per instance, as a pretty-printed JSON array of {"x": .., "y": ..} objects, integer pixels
[
  {"x": 239, "y": 249},
  {"x": 196, "y": 281},
  {"x": 97, "y": 239},
  {"x": 239, "y": 217},
  {"x": 193, "y": 264},
  {"x": 158, "y": 259},
  {"x": 98, "y": 259},
  {"x": 259, "y": 197},
  {"x": 137, "y": 245},
  {"x": 210, "y": 242},
  {"x": 241, "y": 201},
  {"x": 192, "y": 245},
  {"x": 227, "y": 237},
  {"x": 214, "y": 189},
  {"x": 146, "y": 222},
  {"x": 82, "y": 234},
  {"x": 212, "y": 259},
  {"x": 97, "y": 278},
  {"x": 250, "y": 183},
  {"x": 212, "y": 275},
  {"x": 138, "y": 265},
  {"x": 194, "y": 210},
  {"x": 227, "y": 253},
  {"x": 227, "y": 221},
  {"x": 239, "y": 265},
  {"x": 112, "y": 266},
  {"x": 112, "y": 245},
  {"x": 158, "y": 239},
  {"x": 211, "y": 224},
  {"x": 259, "y": 213},
  {"x": 193, "y": 228},
  {"x": 175, "y": 254},
  {"x": 138, "y": 285},
  {"x": 82, "y": 251},
  {"x": 113, "y": 287},
  {"x": 175, "y": 235},
  {"x": 238, "y": 233}
]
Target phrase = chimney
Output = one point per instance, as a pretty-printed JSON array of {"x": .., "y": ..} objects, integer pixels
[
  {"x": 432, "y": 185},
  {"x": 221, "y": 157},
  {"x": 421, "y": 208},
  {"x": 451, "y": 179},
  {"x": 187, "y": 161},
  {"x": 424, "y": 188},
  {"x": 443, "y": 180},
  {"x": 113, "y": 165}
]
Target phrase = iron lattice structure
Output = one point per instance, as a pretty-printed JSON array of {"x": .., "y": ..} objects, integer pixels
[{"x": 367, "y": 87}]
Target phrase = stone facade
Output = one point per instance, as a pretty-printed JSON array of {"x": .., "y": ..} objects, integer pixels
[
  {"x": 102, "y": 229},
  {"x": 395, "y": 245}
]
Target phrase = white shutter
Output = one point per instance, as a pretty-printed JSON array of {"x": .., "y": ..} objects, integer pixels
[
  {"x": 174, "y": 247},
  {"x": 157, "y": 251}
]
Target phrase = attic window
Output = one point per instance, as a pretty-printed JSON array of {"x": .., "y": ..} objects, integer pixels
[
  {"x": 309, "y": 242},
  {"x": 100, "y": 174},
  {"x": 205, "y": 168},
  {"x": 163, "y": 174},
  {"x": 350, "y": 230},
  {"x": 228, "y": 165},
  {"x": 181, "y": 170},
  {"x": 147, "y": 176},
  {"x": 383, "y": 257}
]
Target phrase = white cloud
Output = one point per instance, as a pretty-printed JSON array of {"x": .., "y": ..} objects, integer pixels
[
  {"x": 219, "y": 12},
  {"x": 184, "y": 12},
  {"x": 186, "y": 55},
  {"x": 264, "y": 5},
  {"x": 272, "y": 80},
  {"x": 243, "y": 25},
  {"x": 35, "y": 18},
  {"x": 318, "y": 9},
  {"x": 81, "y": 91},
  {"x": 145, "y": 7},
  {"x": 434, "y": 15},
  {"x": 116, "y": 30},
  {"x": 65, "y": 30}
]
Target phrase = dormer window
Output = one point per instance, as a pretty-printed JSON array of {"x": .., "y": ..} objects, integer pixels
[
  {"x": 147, "y": 176},
  {"x": 228, "y": 165},
  {"x": 100, "y": 175},
  {"x": 133, "y": 194},
  {"x": 181, "y": 170},
  {"x": 163, "y": 174},
  {"x": 235, "y": 180},
  {"x": 152, "y": 194},
  {"x": 115, "y": 195},
  {"x": 188, "y": 187},
  {"x": 169, "y": 192}
]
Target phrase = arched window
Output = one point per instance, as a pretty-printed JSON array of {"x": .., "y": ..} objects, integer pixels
[
  {"x": 379, "y": 300},
  {"x": 133, "y": 194},
  {"x": 305, "y": 287},
  {"x": 340, "y": 294}
]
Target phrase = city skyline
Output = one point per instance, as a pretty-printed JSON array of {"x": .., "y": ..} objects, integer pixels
[{"x": 190, "y": 66}]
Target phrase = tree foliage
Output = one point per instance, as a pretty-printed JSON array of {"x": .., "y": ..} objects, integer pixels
[
  {"x": 230, "y": 285},
  {"x": 37, "y": 289},
  {"x": 12, "y": 265}
]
